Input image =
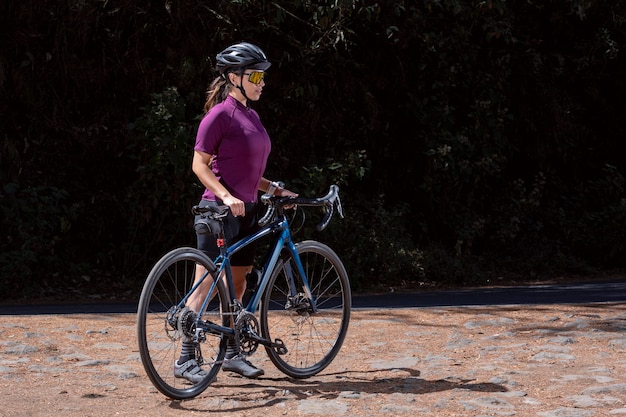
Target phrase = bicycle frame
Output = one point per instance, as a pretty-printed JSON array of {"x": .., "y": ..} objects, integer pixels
[
  {"x": 283, "y": 241},
  {"x": 300, "y": 335}
]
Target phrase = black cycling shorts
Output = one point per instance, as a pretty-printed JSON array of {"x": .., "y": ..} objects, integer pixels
[{"x": 235, "y": 228}]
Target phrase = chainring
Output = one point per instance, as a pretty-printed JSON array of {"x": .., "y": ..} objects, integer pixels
[{"x": 247, "y": 327}]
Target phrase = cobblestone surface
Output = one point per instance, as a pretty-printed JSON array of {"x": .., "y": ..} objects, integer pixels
[{"x": 546, "y": 361}]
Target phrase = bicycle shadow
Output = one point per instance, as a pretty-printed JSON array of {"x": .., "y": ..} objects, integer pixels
[{"x": 268, "y": 391}]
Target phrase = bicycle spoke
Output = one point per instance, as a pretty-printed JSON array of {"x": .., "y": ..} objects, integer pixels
[
  {"x": 162, "y": 323},
  {"x": 312, "y": 339}
]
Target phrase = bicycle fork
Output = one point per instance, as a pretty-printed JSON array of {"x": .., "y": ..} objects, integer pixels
[{"x": 296, "y": 300}]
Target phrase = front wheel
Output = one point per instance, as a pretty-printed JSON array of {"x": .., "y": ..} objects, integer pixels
[
  {"x": 163, "y": 322},
  {"x": 311, "y": 320}
]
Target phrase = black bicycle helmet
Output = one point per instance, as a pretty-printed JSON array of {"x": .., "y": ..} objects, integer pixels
[{"x": 242, "y": 55}]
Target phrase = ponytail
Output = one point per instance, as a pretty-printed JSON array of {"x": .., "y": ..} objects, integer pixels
[{"x": 217, "y": 92}]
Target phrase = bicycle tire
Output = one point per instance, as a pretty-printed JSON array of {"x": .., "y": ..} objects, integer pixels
[
  {"x": 159, "y": 339},
  {"x": 312, "y": 340}
]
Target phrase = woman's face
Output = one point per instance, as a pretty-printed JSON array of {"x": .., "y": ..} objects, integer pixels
[{"x": 253, "y": 82}]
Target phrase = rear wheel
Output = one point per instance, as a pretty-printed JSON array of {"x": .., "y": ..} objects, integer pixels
[
  {"x": 163, "y": 322},
  {"x": 312, "y": 321}
]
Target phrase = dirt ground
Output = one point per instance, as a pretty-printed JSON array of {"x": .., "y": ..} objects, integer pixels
[{"x": 556, "y": 360}]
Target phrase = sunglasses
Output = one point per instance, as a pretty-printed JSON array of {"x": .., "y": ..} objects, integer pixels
[{"x": 255, "y": 77}]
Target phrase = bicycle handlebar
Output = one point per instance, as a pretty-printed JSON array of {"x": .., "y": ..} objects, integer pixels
[{"x": 329, "y": 201}]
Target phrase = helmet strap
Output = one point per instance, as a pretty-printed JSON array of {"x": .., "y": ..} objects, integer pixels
[
  {"x": 243, "y": 90},
  {"x": 240, "y": 86}
]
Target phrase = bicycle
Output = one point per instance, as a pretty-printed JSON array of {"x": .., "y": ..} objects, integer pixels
[{"x": 303, "y": 298}]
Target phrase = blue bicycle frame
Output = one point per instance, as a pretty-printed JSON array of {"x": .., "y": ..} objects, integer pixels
[{"x": 283, "y": 240}]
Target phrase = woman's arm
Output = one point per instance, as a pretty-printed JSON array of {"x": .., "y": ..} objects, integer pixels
[
  {"x": 201, "y": 166},
  {"x": 271, "y": 187}
]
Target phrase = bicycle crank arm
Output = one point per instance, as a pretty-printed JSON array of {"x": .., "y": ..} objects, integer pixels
[{"x": 278, "y": 345}]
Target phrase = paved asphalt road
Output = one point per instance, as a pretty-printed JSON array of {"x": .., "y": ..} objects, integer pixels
[{"x": 576, "y": 293}]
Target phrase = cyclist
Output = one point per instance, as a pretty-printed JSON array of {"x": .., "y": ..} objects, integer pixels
[{"x": 230, "y": 155}]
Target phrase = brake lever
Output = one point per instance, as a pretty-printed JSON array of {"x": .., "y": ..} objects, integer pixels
[
  {"x": 339, "y": 206},
  {"x": 329, "y": 209},
  {"x": 267, "y": 217}
]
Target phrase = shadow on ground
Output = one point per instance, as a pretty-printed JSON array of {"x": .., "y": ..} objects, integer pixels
[{"x": 267, "y": 392}]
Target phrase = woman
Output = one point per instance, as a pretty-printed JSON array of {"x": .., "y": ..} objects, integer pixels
[{"x": 229, "y": 159}]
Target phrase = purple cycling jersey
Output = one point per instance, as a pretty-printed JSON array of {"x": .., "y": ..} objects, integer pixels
[{"x": 236, "y": 137}]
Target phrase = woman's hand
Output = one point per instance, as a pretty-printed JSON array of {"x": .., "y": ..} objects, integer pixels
[
  {"x": 283, "y": 192},
  {"x": 237, "y": 207}
]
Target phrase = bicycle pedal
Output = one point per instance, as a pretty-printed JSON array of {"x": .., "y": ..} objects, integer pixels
[{"x": 279, "y": 347}]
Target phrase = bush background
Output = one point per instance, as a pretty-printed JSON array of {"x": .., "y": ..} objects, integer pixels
[{"x": 473, "y": 141}]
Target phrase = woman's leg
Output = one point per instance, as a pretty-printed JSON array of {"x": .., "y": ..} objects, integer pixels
[
  {"x": 239, "y": 279},
  {"x": 235, "y": 362},
  {"x": 197, "y": 298},
  {"x": 187, "y": 367}
]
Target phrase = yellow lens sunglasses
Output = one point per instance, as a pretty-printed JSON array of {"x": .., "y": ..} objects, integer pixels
[{"x": 255, "y": 77}]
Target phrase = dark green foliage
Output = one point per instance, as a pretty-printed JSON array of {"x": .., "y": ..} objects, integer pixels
[
  {"x": 36, "y": 222},
  {"x": 162, "y": 189},
  {"x": 471, "y": 140}
]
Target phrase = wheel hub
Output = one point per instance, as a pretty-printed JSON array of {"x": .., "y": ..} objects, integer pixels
[{"x": 181, "y": 324}]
